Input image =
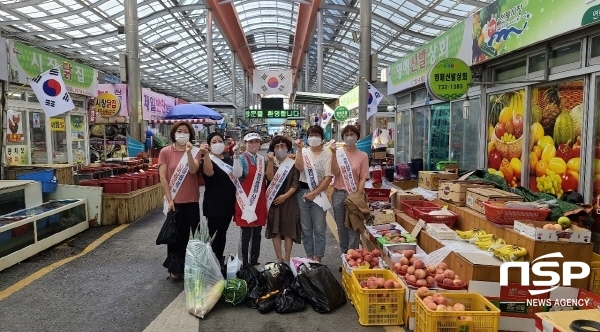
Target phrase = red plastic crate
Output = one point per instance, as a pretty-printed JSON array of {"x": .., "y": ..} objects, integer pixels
[
  {"x": 497, "y": 213},
  {"x": 423, "y": 213},
  {"x": 408, "y": 206},
  {"x": 117, "y": 186}
]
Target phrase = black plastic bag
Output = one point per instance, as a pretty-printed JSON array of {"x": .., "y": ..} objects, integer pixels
[
  {"x": 268, "y": 305},
  {"x": 297, "y": 288},
  {"x": 286, "y": 278},
  {"x": 174, "y": 263},
  {"x": 249, "y": 274},
  {"x": 287, "y": 302},
  {"x": 168, "y": 232},
  {"x": 322, "y": 289},
  {"x": 269, "y": 275}
]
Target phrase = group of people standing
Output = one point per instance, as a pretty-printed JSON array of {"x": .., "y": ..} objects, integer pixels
[{"x": 287, "y": 193}]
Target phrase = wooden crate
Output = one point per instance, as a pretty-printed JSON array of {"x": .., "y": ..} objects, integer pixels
[
  {"x": 63, "y": 173},
  {"x": 127, "y": 208}
]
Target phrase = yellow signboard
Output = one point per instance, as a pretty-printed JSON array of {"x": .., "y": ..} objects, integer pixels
[
  {"x": 107, "y": 105},
  {"x": 57, "y": 124},
  {"x": 17, "y": 155}
]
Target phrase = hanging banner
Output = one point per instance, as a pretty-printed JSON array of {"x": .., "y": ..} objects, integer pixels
[
  {"x": 373, "y": 100},
  {"x": 15, "y": 127},
  {"x": 350, "y": 99},
  {"x": 17, "y": 155},
  {"x": 3, "y": 61},
  {"x": 272, "y": 82},
  {"x": 29, "y": 62},
  {"x": 508, "y": 25},
  {"x": 155, "y": 106},
  {"x": 449, "y": 79}
]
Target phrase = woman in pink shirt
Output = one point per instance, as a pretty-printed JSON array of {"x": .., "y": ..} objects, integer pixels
[
  {"x": 359, "y": 164},
  {"x": 185, "y": 199}
]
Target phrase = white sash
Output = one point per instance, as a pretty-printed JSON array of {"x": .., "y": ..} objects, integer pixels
[
  {"x": 249, "y": 211},
  {"x": 346, "y": 171},
  {"x": 313, "y": 180},
  {"x": 240, "y": 195},
  {"x": 177, "y": 178},
  {"x": 278, "y": 180}
]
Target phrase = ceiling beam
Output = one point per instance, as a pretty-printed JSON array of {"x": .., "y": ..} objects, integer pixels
[
  {"x": 229, "y": 25},
  {"x": 305, "y": 25}
]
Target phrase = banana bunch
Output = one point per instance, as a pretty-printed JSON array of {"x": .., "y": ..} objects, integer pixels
[
  {"x": 489, "y": 241},
  {"x": 472, "y": 234},
  {"x": 510, "y": 253},
  {"x": 517, "y": 102}
]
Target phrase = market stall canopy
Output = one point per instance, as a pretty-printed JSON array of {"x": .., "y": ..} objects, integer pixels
[
  {"x": 171, "y": 121},
  {"x": 313, "y": 98},
  {"x": 192, "y": 111},
  {"x": 214, "y": 104}
]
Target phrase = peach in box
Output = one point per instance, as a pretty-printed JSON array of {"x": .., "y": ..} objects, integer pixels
[{"x": 534, "y": 230}]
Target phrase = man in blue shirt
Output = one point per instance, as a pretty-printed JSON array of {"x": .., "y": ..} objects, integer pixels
[{"x": 149, "y": 136}]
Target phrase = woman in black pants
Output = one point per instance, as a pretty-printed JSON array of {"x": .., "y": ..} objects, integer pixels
[{"x": 219, "y": 196}]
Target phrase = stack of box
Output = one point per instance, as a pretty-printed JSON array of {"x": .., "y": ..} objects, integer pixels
[
  {"x": 476, "y": 197},
  {"x": 430, "y": 180},
  {"x": 456, "y": 191}
]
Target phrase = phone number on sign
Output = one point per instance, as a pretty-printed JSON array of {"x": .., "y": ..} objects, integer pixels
[{"x": 450, "y": 86}]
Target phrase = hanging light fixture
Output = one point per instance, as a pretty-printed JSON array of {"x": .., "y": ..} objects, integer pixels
[{"x": 466, "y": 107}]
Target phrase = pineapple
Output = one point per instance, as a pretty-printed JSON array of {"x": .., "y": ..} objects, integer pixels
[{"x": 552, "y": 98}]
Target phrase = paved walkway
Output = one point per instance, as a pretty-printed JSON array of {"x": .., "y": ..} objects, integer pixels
[{"x": 121, "y": 285}]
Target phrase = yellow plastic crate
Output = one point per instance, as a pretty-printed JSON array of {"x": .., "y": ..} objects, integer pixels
[
  {"x": 481, "y": 315},
  {"x": 377, "y": 306},
  {"x": 347, "y": 283},
  {"x": 594, "y": 281}
]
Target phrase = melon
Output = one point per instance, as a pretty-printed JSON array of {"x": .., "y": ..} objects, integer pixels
[{"x": 564, "y": 128}]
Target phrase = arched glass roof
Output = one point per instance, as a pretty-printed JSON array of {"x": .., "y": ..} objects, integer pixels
[{"x": 173, "y": 37}]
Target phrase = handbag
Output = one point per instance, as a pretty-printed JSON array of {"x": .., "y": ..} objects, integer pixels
[{"x": 168, "y": 232}]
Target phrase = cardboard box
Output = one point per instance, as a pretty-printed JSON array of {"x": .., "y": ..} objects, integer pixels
[
  {"x": 378, "y": 194},
  {"x": 560, "y": 321},
  {"x": 456, "y": 191},
  {"x": 476, "y": 197},
  {"x": 386, "y": 216},
  {"x": 379, "y": 155},
  {"x": 535, "y": 232},
  {"x": 441, "y": 232},
  {"x": 407, "y": 184},
  {"x": 375, "y": 231},
  {"x": 389, "y": 249},
  {"x": 381, "y": 241},
  {"x": 397, "y": 197},
  {"x": 431, "y": 179}
]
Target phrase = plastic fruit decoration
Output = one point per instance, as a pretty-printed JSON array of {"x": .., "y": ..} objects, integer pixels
[
  {"x": 557, "y": 165},
  {"x": 500, "y": 130},
  {"x": 533, "y": 160},
  {"x": 544, "y": 141},
  {"x": 505, "y": 115},
  {"x": 494, "y": 160},
  {"x": 548, "y": 153},
  {"x": 538, "y": 152},
  {"x": 509, "y": 127},
  {"x": 538, "y": 132},
  {"x": 574, "y": 164},
  {"x": 506, "y": 170},
  {"x": 576, "y": 148},
  {"x": 515, "y": 164},
  {"x": 540, "y": 168},
  {"x": 569, "y": 182},
  {"x": 565, "y": 151},
  {"x": 517, "y": 123}
]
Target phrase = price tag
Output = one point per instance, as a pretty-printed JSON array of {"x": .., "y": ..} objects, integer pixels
[{"x": 420, "y": 225}]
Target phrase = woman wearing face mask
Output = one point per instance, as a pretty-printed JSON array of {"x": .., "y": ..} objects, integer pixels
[
  {"x": 251, "y": 207},
  {"x": 216, "y": 169},
  {"x": 350, "y": 167},
  {"x": 283, "y": 222},
  {"x": 183, "y": 196},
  {"x": 314, "y": 165}
]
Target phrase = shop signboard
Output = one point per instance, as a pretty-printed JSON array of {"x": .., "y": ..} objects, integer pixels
[
  {"x": 272, "y": 114},
  {"x": 17, "y": 155},
  {"x": 27, "y": 61},
  {"x": 57, "y": 124},
  {"x": 412, "y": 70},
  {"x": 350, "y": 99},
  {"x": 449, "y": 79},
  {"x": 103, "y": 110},
  {"x": 3, "y": 60},
  {"x": 155, "y": 106},
  {"x": 341, "y": 113},
  {"x": 77, "y": 127},
  {"x": 14, "y": 122},
  {"x": 107, "y": 104},
  {"x": 507, "y": 25}
]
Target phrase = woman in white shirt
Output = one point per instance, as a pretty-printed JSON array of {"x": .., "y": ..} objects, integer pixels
[{"x": 314, "y": 165}]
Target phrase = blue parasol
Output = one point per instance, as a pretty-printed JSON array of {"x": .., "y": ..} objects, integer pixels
[{"x": 192, "y": 111}]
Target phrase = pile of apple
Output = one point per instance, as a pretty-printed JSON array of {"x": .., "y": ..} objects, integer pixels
[
  {"x": 447, "y": 277},
  {"x": 414, "y": 270},
  {"x": 363, "y": 257},
  {"x": 394, "y": 237},
  {"x": 379, "y": 283},
  {"x": 437, "y": 302}
]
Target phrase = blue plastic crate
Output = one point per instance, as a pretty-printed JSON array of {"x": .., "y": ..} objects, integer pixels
[
  {"x": 5, "y": 236},
  {"x": 41, "y": 223},
  {"x": 53, "y": 219},
  {"x": 49, "y": 186},
  {"x": 44, "y": 175}
]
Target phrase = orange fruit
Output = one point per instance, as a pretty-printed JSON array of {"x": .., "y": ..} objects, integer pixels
[
  {"x": 533, "y": 160},
  {"x": 540, "y": 168}
]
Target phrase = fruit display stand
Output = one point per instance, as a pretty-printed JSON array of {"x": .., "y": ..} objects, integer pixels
[
  {"x": 26, "y": 232},
  {"x": 382, "y": 306},
  {"x": 129, "y": 207},
  {"x": 62, "y": 172}
]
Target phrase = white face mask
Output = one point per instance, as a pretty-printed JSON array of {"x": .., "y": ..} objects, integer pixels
[
  {"x": 182, "y": 138},
  {"x": 217, "y": 148},
  {"x": 314, "y": 141},
  {"x": 350, "y": 141},
  {"x": 281, "y": 153}
]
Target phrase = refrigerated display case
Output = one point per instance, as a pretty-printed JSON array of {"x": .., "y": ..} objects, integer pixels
[{"x": 463, "y": 145}]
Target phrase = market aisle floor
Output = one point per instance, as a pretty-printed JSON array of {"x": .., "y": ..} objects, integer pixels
[{"x": 122, "y": 286}]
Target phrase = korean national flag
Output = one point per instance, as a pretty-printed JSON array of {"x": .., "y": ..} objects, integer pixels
[
  {"x": 326, "y": 116},
  {"x": 50, "y": 90},
  {"x": 373, "y": 100}
]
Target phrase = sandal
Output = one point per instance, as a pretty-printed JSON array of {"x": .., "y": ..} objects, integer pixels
[{"x": 174, "y": 276}]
